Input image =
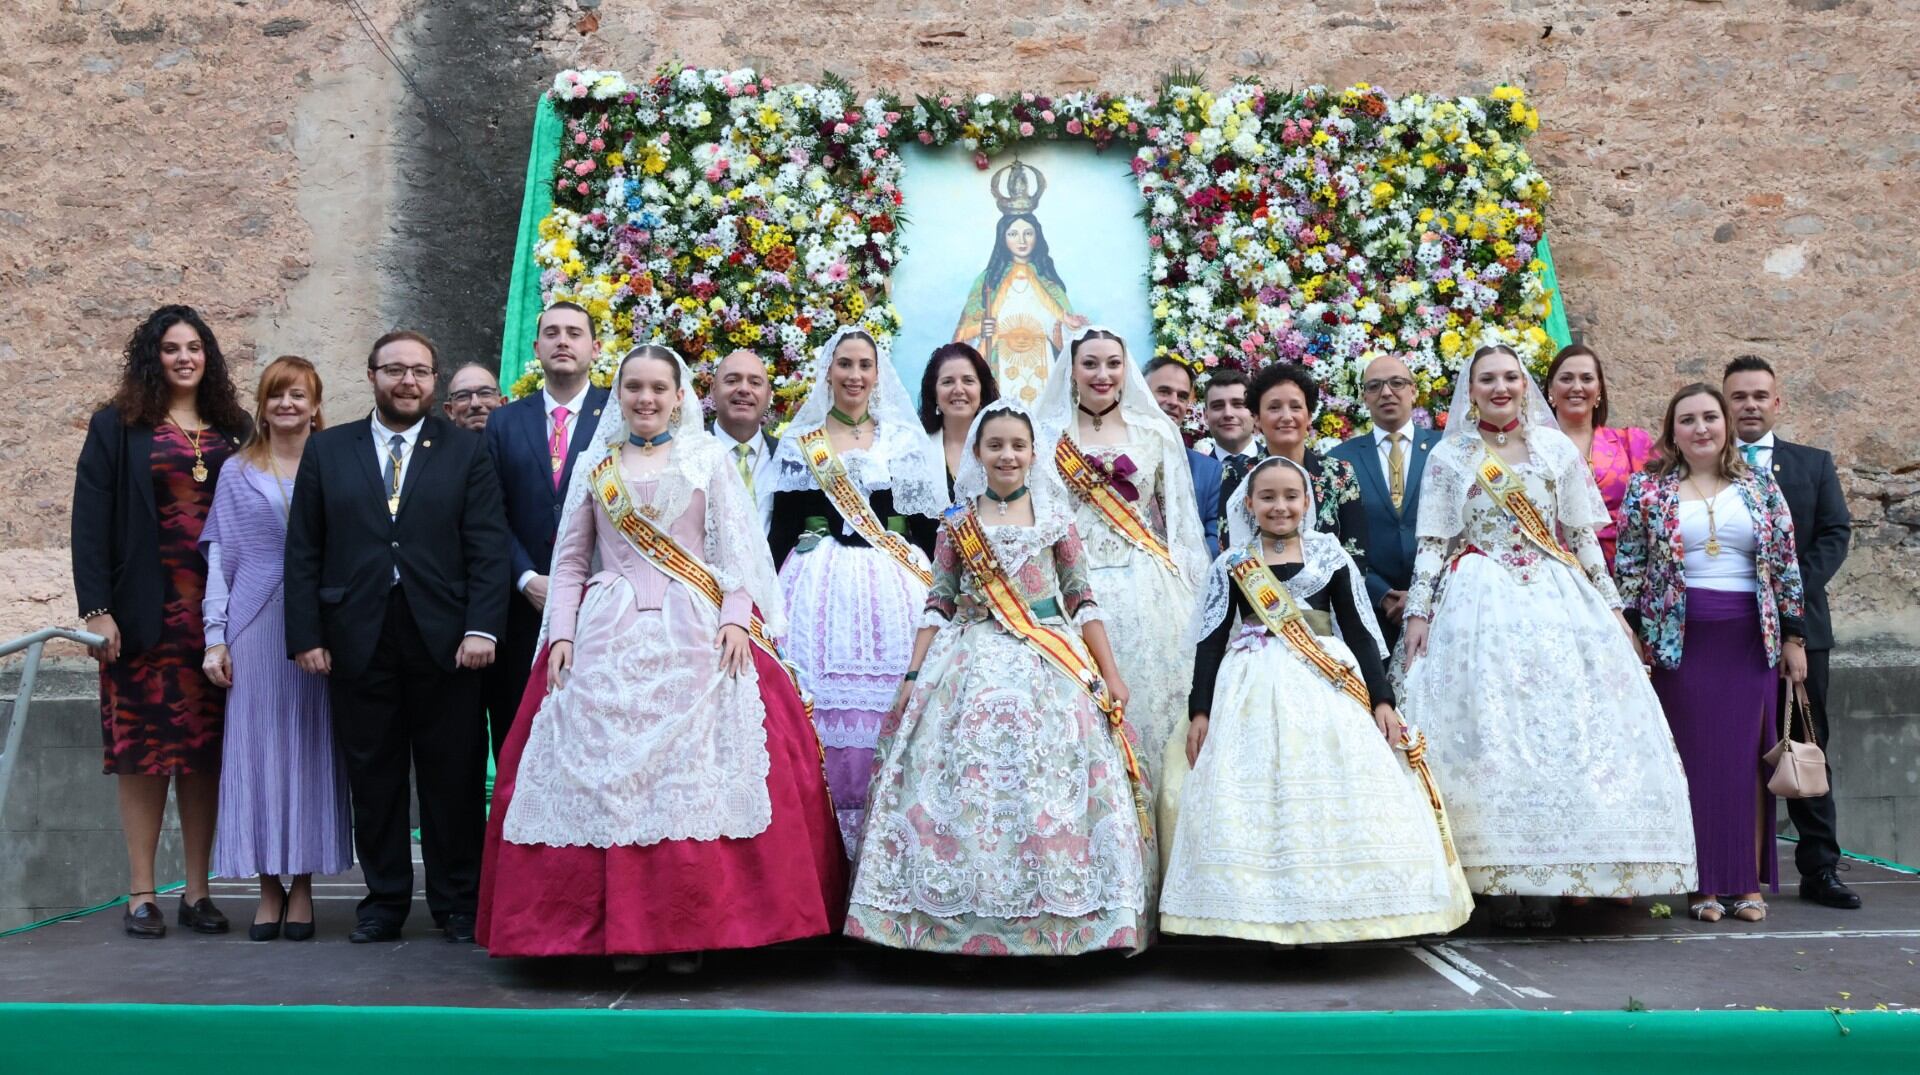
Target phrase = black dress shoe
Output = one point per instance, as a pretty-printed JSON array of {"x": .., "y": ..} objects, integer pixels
[
  {"x": 201, "y": 916},
  {"x": 143, "y": 919},
  {"x": 1825, "y": 888},
  {"x": 297, "y": 931},
  {"x": 459, "y": 929},
  {"x": 374, "y": 931}
]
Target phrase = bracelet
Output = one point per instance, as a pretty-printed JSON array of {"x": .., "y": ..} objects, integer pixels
[
  {"x": 912, "y": 674},
  {"x": 85, "y": 616}
]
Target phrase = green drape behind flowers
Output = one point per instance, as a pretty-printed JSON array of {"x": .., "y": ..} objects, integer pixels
[{"x": 523, "y": 294}]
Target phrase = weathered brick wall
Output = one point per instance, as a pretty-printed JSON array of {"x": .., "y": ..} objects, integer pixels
[{"x": 1734, "y": 176}]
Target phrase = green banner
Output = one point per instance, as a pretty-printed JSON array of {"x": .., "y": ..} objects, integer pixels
[
  {"x": 523, "y": 293},
  {"x": 1556, "y": 325}
]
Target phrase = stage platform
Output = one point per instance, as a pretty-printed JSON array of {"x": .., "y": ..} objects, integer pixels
[{"x": 1608, "y": 977}]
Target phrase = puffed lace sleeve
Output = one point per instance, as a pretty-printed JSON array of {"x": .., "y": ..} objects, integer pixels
[{"x": 943, "y": 598}]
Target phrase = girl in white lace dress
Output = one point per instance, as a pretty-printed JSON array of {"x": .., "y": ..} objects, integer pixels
[
  {"x": 1299, "y": 822},
  {"x": 1561, "y": 775},
  {"x": 853, "y": 569},
  {"x": 1133, "y": 505},
  {"x": 1005, "y": 816}
]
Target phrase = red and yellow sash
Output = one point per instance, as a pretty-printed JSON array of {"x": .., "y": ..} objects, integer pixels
[
  {"x": 1508, "y": 491},
  {"x": 1056, "y": 647},
  {"x": 1090, "y": 486},
  {"x": 663, "y": 552},
  {"x": 831, "y": 474},
  {"x": 1276, "y": 608}
]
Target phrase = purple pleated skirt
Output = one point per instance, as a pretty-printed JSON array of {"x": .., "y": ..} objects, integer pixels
[{"x": 1722, "y": 704}]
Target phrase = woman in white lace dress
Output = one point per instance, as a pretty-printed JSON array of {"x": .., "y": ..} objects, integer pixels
[
  {"x": 852, "y": 502},
  {"x": 661, "y": 792},
  {"x": 1300, "y": 823},
  {"x": 1561, "y": 774},
  {"x": 1125, "y": 467},
  {"x": 1007, "y": 816}
]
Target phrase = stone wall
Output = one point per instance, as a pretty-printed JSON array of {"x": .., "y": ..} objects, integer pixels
[{"x": 1734, "y": 176}]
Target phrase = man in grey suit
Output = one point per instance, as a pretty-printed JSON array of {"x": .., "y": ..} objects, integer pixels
[
  {"x": 1389, "y": 459},
  {"x": 1822, "y": 530}
]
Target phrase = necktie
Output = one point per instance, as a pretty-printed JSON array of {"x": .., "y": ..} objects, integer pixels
[
  {"x": 1396, "y": 469},
  {"x": 743, "y": 465},
  {"x": 557, "y": 444},
  {"x": 1751, "y": 453},
  {"x": 395, "y": 444}
]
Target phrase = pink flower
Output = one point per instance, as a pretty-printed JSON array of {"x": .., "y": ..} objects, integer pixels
[
  {"x": 1026, "y": 98},
  {"x": 1190, "y": 138},
  {"x": 1026, "y": 130},
  {"x": 980, "y": 161},
  {"x": 579, "y": 138},
  {"x": 1153, "y": 241},
  {"x": 583, "y": 168},
  {"x": 579, "y": 91},
  {"x": 840, "y": 130},
  {"x": 837, "y": 272},
  {"x": 1046, "y": 115},
  {"x": 1132, "y": 127},
  {"x": 893, "y": 117},
  {"x": 1153, "y": 134},
  {"x": 882, "y": 130},
  {"x": 582, "y": 188},
  {"x": 716, "y": 170},
  {"x": 598, "y": 145},
  {"x": 926, "y": 138},
  {"x": 1073, "y": 126},
  {"x": 946, "y": 102},
  {"x": 560, "y": 185}
]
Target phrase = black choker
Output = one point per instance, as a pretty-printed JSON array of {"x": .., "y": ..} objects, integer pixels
[{"x": 1098, "y": 415}]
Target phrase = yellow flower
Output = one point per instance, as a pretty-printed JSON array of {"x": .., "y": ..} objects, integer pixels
[
  {"x": 1382, "y": 192},
  {"x": 1449, "y": 343},
  {"x": 615, "y": 160}
]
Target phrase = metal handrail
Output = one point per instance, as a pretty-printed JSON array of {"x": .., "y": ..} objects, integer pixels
[{"x": 33, "y": 644}]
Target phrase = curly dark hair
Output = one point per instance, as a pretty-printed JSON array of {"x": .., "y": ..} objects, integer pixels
[
  {"x": 144, "y": 395},
  {"x": 930, "y": 381},
  {"x": 1279, "y": 372}
]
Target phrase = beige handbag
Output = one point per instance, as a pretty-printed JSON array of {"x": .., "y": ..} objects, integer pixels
[{"x": 1799, "y": 769}]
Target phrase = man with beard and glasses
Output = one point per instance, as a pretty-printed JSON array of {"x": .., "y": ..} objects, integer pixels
[
  {"x": 741, "y": 394},
  {"x": 534, "y": 442},
  {"x": 396, "y": 589}
]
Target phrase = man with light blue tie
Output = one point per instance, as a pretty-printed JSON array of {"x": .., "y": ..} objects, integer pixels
[
  {"x": 534, "y": 442},
  {"x": 1390, "y": 459}
]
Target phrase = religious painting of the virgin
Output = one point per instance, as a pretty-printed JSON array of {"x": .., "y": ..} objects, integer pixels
[{"x": 1014, "y": 258}]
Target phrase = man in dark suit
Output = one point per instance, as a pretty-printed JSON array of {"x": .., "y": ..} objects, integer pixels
[
  {"x": 1172, "y": 384},
  {"x": 741, "y": 396},
  {"x": 1822, "y": 529},
  {"x": 1230, "y": 432},
  {"x": 1390, "y": 460},
  {"x": 533, "y": 443},
  {"x": 396, "y": 588}
]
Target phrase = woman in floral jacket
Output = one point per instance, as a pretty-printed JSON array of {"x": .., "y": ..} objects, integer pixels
[{"x": 1707, "y": 569}]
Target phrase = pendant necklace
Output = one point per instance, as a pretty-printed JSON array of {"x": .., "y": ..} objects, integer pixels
[
  {"x": 648, "y": 444},
  {"x": 1713, "y": 525},
  {"x": 1500, "y": 432},
  {"x": 1003, "y": 501},
  {"x": 857, "y": 425},
  {"x": 1275, "y": 545},
  {"x": 200, "y": 471},
  {"x": 1097, "y": 416}
]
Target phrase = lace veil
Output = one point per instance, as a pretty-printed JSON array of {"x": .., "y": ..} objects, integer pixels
[
  {"x": 1054, "y": 418},
  {"x": 1321, "y": 556},
  {"x": 901, "y": 459},
  {"x": 735, "y": 546}
]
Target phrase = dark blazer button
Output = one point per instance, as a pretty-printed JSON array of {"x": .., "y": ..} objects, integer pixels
[
  {"x": 556, "y": 509},
  {"x": 396, "y": 545}
]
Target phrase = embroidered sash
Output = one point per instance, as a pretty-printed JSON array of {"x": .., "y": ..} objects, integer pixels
[
  {"x": 1413, "y": 744},
  {"x": 1508, "y": 491},
  {"x": 1277, "y": 609},
  {"x": 1088, "y": 484},
  {"x": 663, "y": 552},
  {"x": 1055, "y": 647},
  {"x": 831, "y": 475}
]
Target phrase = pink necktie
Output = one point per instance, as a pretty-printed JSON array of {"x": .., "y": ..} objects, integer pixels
[{"x": 557, "y": 444}]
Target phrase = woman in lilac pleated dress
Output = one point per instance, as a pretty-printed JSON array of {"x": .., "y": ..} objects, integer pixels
[
  {"x": 283, "y": 790},
  {"x": 1707, "y": 569}
]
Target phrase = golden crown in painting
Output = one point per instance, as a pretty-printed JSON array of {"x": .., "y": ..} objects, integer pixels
[{"x": 1017, "y": 187}]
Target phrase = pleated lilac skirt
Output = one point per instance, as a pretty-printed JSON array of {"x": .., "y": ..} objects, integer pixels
[
  {"x": 1722, "y": 703},
  {"x": 283, "y": 787}
]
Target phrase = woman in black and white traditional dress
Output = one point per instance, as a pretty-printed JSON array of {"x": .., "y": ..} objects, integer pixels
[{"x": 1300, "y": 823}]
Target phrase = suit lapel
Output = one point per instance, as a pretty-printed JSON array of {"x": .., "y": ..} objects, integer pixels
[
  {"x": 581, "y": 436},
  {"x": 1371, "y": 471},
  {"x": 363, "y": 450},
  {"x": 426, "y": 449},
  {"x": 139, "y": 442}
]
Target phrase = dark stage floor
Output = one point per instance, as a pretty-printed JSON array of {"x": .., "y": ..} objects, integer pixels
[{"x": 1601, "y": 956}]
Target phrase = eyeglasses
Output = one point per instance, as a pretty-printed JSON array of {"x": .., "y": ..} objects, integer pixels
[
  {"x": 1378, "y": 385},
  {"x": 398, "y": 372},
  {"x": 469, "y": 395}
]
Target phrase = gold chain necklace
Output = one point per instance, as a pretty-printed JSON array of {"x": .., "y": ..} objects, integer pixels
[
  {"x": 200, "y": 471},
  {"x": 1713, "y": 524}
]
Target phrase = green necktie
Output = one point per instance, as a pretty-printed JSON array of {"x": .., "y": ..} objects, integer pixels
[
  {"x": 1751, "y": 453},
  {"x": 740, "y": 462}
]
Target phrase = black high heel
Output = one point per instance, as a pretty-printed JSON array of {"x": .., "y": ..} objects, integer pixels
[
  {"x": 296, "y": 931},
  {"x": 267, "y": 931}
]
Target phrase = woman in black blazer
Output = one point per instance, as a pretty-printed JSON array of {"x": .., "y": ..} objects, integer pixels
[{"x": 140, "y": 497}]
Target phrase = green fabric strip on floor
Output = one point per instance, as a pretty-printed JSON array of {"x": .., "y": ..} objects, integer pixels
[{"x": 158, "y": 1040}]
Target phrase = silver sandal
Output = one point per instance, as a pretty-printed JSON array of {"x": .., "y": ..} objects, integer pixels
[
  {"x": 1699, "y": 910},
  {"x": 1750, "y": 905}
]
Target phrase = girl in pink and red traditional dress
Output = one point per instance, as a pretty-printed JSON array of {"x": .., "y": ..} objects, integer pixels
[{"x": 662, "y": 790}]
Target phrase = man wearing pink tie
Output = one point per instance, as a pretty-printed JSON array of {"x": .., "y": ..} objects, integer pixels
[{"x": 534, "y": 442}]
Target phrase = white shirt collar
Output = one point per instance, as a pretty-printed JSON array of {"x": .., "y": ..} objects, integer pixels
[
  {"x": 1765, "y": 442},
  {"x": 572, "y": 405},
  {"x": 1380, "y": 435},
  {"x": 757, "y": 442},
  {"x": 382, "y": 435}
]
